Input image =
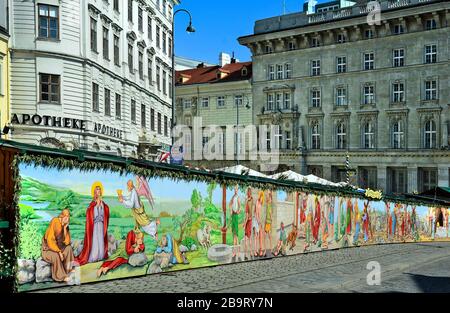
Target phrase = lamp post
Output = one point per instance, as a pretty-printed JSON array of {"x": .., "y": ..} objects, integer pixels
[
  {"x": 189, "y": 29},
  {"x": 247, "y": 106}
]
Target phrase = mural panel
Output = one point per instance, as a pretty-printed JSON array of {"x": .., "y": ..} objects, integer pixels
[{"x": 80, "y": 227}]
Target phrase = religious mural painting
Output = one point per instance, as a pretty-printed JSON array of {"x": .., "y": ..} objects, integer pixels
[{"x": 80, "y": 227}]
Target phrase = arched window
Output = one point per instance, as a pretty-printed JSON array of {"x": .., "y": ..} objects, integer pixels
[
  {"x": 398, "y": 135},
  {"x": 430, "y": 135},
  {"x": 341, "y": 136},
  {"x": 368, "y": 136},
  {"x": 315, "y": 136}
]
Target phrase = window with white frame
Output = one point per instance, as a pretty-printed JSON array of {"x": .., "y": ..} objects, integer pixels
[
  {"x": 430, "y": 135},
  {"x": 369, "y": 94},
  {"x": 187, "y": 103},
  {"x": 315, "y": 67},
  {"x": 315, "y": 136},
  {"x": 271, "y": 72},
  {"x": 397, "y": 180},
  {"x": 278, "y": 100},
  {"x": 287, "y": 140},
  {"x": 398, "y": 92},
  {"x": 397, "y": 135},
  {"x": 269, "y": 49},
  {"x": 368, "y": 136},
  {"x": 49, "y": 21},
  {"x": 341, "y": 136},
  {"x": 93, "y": 34},
  {"x": 220, "y": 101},
  {"x": 221, "y": 143},
  {"x": 280, "y": 71},
  {"x": 315, "y": 42},
  {"x": 398, "y": 29},
  {"x": 430, "y": 24},
  {"x": 430, "y": 90},
  {"x": 341, "y": 38},
  {"x": 205, "y": 102},
  {"x": 428, "y": 179},
  {"x": 238, "y": 100},
  {"x": 369, "y": 34},
  {"x": 341, "y": 96},
  {"x": 287, "y": 101},
  {"x": 287, "y": 71},
  {"x": 140, "y": 19},
  {"x": 278, "y": 137},
  {"x": 369, "y": 61},
  {"x": 95, "y": 98},
  {"x": 158, "y": 77},
  {"x": 270, "y": 102},
  {"x": 315, "y": 98},
  {"x": 399, "y": 57},
  {"x": 292, "y": 46},
  {"x": 430, "y": 54},
  {"x": 268, "y": 139},
  {"x": 341, "y": 63}
]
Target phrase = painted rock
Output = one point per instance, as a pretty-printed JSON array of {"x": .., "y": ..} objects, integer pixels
[
  {"x": 138, "y": 259},
  {"x": 43, "y": 271},
  {"x": 220, "y": 253}
]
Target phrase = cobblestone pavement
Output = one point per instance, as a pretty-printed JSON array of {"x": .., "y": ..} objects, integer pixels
[{"x": 404, "y": 268}]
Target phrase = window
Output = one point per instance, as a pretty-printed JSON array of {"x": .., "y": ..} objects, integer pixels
[
  {"x": 164, "y": 42},
  {"x": 430, "y": 24},
  {"x": 107, "y": 102},
  {"x": 164, "y": 7},
  {"x": 341, "y": 96},
  {"x": 116, "y": 5},
  {"x": 143, "y": 116},
  {"x": 238, "y": 100},
  {"x": 118, "y": 106},
  {"x": 369, "y": 94},
  {"x": 369, "y": 34},
  {"x": 164, "y": 85},
  {"x": 369, "y": 60},
  {"x": 130, "y": 11},
  {"x": 430, "y": 135},
  {"x": 95, "y": 98},
  {"x": 130, "y": 58},
  {"x": 315, "y": 42},
  {"x": 367, "y": 177},
  {"x": 149, "y": 28},
  {"x": 105, "y": 43},
  {"x": 315, "y": 67},
  {"x": 430, "y": 90},
  {"x": 341, "y": 38},
  {"x": 141, "y": 65},
  {"x": 140, "y": 19},
  {"x": 287, "y": 140},
  {"x": 315, "y": 98},
  {"x": 271, "y": 72},
  {"x": 315, "y": 136},
  {"x": 187, "y": 103},
  {"x": 288, "y": 71},
  {"x": 221, "y": 101},
  {"x": 397, "y": 180},
  {"x": 205, "y": 102},
  {"x": 341, "y": 136},
  {"x": 368, "y": 136},
  {"x": 268, "y": 139},
  {"x": 152, "y": 119},
  {"x": 279, "y": 71},
  {"x": 150, "y": 71},
  {"x": 287, "y": 101},
  {"x": 159, "y": 124},
  {"x": 292, "y": 46},
  {"x": 399, "y": 57},
  {"x": 116, "y": 51},
  {"x": 93, "y": 35},
  {"x": 398, "y": 29},
  {"x": 397, "y": 135},
  {"x": 341, "y": 63},
  {"x": 133, "y": 111},
  {"x": 269, "y": 49},
  {"x": 48, "y": 21},
  {"x": 278, "y": 100},
  {"x": 166, "y": 126},
  {"x": 171, "y": 47},
  {"x": 270, "y": 102},
  {"x": 398, "y": 92},
  {"x": 50, "y": 86},
  {"x": 158, "y": 77},
  {"x": 170, "y": 86},
  {"x": 430, "y": 54},
  {"x": 428, "y": 179},
  {"x": 158, "y": 37}
]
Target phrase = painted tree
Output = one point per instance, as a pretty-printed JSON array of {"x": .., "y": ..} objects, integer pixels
[{"x": 196, "y": 200}]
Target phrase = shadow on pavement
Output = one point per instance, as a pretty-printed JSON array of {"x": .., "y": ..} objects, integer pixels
[{"x": 431, "y": 284}]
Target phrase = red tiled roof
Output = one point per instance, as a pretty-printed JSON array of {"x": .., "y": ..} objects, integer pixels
[{"x": 208, "y": 75}]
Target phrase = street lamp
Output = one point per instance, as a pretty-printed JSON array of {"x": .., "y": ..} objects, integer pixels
[{"x": 189, "y": 29}]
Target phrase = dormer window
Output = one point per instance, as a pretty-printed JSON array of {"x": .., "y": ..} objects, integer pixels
[
  {"x": 341, "y": 38},
  {"x": 244, "y": 71},
  {"x": 315, "y": 42},
  {"x": 430, "y": 24},
  {"x": 398, "y": 29},
  {"x": 292, "y": 46}
]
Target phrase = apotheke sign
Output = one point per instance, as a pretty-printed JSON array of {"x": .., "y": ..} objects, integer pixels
[{"x": 64, "y": 122}]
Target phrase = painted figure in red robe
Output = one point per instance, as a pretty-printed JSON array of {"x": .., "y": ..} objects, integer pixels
[{"x": 317, "y": 216}]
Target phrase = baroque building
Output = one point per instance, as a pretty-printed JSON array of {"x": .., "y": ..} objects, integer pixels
[
  {"x": 336, "y": 84},
  {"x": 4, "y": 68},
  {"x": 93, "y": 74}
]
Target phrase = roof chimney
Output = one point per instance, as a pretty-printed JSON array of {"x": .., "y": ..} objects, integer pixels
[
  {"x": 201, "y": 65},
  {"x": 233, "y": 60}
]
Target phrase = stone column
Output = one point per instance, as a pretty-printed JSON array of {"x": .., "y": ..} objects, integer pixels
[
  {"x": 443, "y": 176},
  {"x": 382, "y": 178},
  {"x": 412, "y": 180}
]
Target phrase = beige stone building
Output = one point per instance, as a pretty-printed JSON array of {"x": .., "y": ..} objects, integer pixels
[
  {"x": 334, "y": 84},
  {"x": 220, "y": 96}
]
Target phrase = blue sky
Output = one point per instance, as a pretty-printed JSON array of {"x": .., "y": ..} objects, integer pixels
[{"x": 218, "y": 24}]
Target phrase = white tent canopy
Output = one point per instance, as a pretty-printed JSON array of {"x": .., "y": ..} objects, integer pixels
[
  {"x": 289, "y": 175},
  {"x": 242, "y": 170}
]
